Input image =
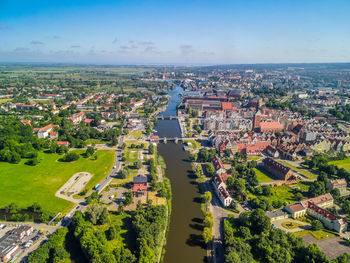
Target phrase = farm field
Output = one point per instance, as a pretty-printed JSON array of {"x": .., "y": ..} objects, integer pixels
[{"x": 24, "y": 185}]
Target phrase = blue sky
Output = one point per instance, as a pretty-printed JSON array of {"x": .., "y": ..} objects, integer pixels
[{"x": 199, "y": 31}]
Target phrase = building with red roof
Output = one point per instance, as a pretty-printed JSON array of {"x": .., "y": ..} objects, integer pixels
[
  {"x": 139, "y": 186},
  {"x": 62, "y": 143}
]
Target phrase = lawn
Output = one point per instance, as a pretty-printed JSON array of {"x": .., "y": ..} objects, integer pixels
[
  {"x": 283, "y": 193},
  {"x": 155, "y": 199},
  {"x": 24, "y": 185},
  {"x": 262, "y": 175},
  {"x": 319, "y": 234},
  {"x": 303, "y": 171},
  {"x": 131, "y": 156},
  {"x": 342, "y": 164},
  {"x": 95, "y": 141},
  {"x": 135, "y": 134}
]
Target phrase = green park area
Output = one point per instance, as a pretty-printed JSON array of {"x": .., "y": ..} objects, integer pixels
[
  {"x": 342, "y": 163},
  {"x": 319, "y": 234},
  {"x": 135, "y": 134},
  {"x": 24, "y": 185}
]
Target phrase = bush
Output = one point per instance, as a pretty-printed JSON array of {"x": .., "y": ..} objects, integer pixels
[
  {"x": 70, "y": 157},
  {"x": 32, "y": 162}
]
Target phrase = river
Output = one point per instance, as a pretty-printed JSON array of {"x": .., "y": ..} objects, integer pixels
[{"x": 184, "y": 242}]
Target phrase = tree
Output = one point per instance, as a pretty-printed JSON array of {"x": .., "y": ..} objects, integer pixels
[
  {"x": 316, "y": 225},
  {"x": 260, "y": 222},
  {"x": 128, "y": 198},
  {"x": 111, "y": 233},
  {"x": 209, "y": 168},
  {"x": 207, "y": 235},
  {"x": 89, "y": 151},
  {"x": 35, "y": 208},
  {"x": 138, "y": 164},
  {"x": 70, "y": 157},
  {"x": 208, "y": 220},
  {"x": 124, "y": 173},
  {"x": 151, "y": 148},
  {"x": 12, "y": 208},
  {"x": 207, "y": 197}
]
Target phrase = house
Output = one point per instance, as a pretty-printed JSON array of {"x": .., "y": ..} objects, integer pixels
[
  {"x": 223, "y": 195},
  {"x": 328, "y": 219},
  {"x": 26, "y": 122},
  {"x": 154, "y": 138},
  {"x": 63, "y": 143},
  {"x": 296, "y": 210},
  {"x": 316, "y": 207},
  {"x": 218, "y": 165},
  {"x": 272, "y": 151},
  {"x": 270, "y": 126},
  {"x": 76, "y": 118},
  {"x": 88, "y": 121},
  {"x": 139, "y": 186},
  {"x": 339, "y": 184},
  {"x": 220, "y": 180},
  {"x": 277, "y": 169},
  {"x": 45, "y": 131},
  {"x": 53, "y": 135}
]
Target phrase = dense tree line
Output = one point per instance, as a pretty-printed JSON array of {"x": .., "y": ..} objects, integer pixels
[
  {"x": 17, "y": 141},
  {"x": 251, "y": 238},
  {"x": 149, "y": 224},
  {"x": 94, "y": 243}
]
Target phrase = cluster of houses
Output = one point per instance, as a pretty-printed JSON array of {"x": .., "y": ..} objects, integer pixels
[
  {"x": 219, "y": 182},
  {"x": 315, "y": 207},
  {"x": 10, "y": 243}
]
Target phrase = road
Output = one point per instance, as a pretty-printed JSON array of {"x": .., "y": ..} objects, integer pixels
[{"x": 117, "y": 166}]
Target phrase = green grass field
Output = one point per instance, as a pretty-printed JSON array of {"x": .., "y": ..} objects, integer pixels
[
  {"x": 262, "y": 175},
  {"x": 342, "y": 163},
  {"x": 319, "y": 234},
  {"x": 24, "y": 185}
]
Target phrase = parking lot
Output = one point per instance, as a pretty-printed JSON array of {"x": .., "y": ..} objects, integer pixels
[{"x": 333, "y": 247}]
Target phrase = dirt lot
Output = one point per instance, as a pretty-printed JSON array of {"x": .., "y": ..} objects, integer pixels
[{"x": 332, "y": 247}]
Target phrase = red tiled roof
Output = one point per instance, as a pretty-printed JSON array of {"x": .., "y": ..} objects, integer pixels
[
  {"x": 339, "y": 182},
  {"x": 62, "y": 142},
  {"x": 296, "y": 207}
]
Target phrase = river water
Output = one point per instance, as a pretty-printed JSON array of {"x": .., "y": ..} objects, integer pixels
[{"x": 185, "y": 242}]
